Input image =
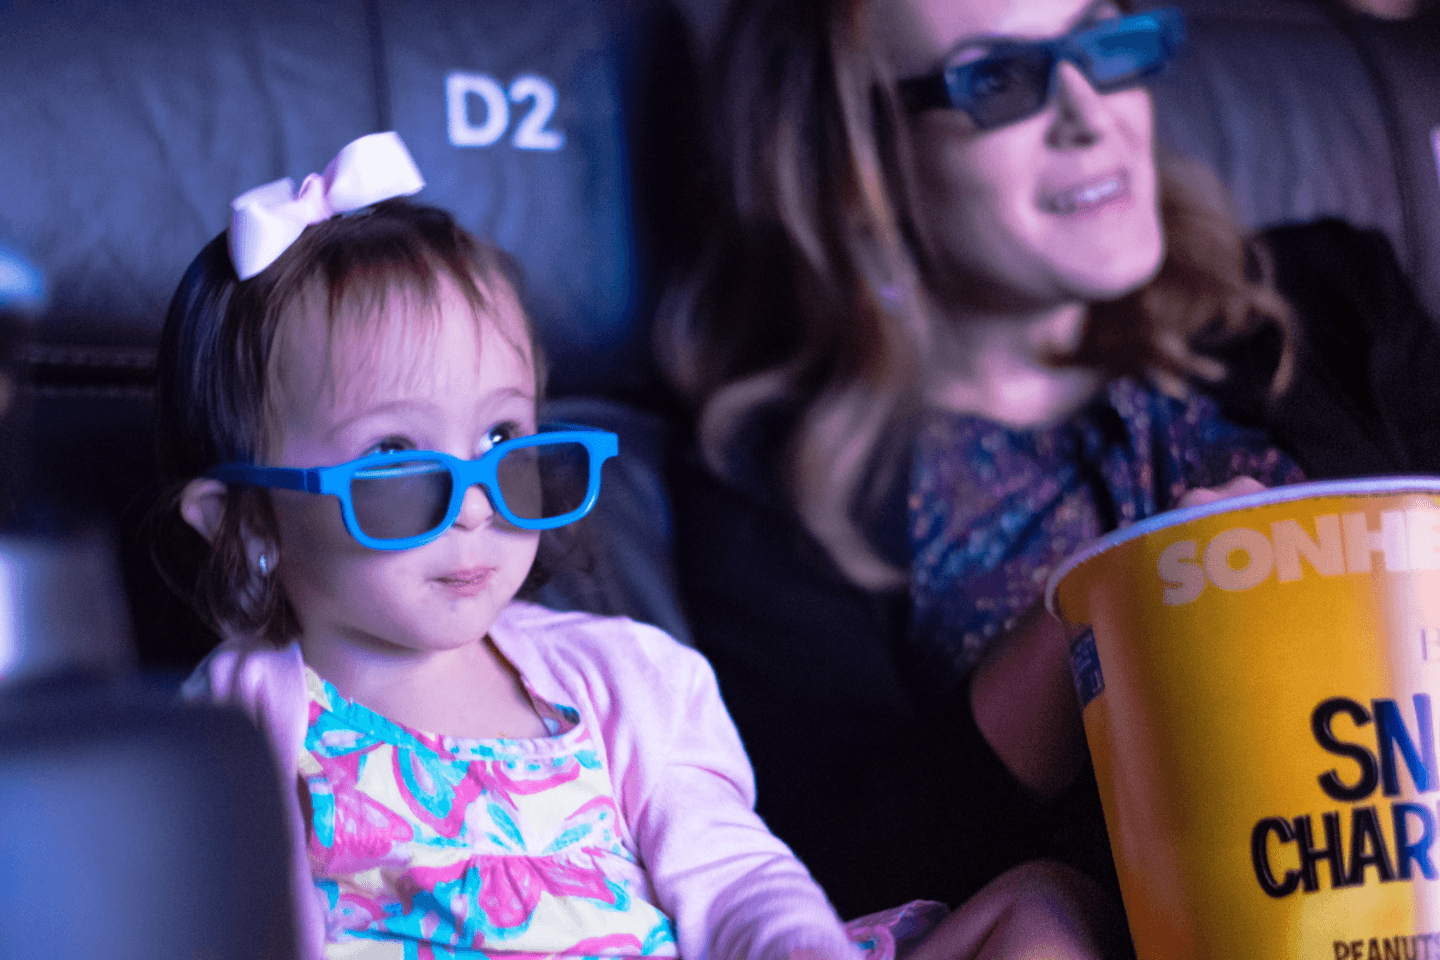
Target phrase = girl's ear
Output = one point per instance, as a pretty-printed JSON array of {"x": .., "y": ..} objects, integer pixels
[{"x": 202, "y": 504}]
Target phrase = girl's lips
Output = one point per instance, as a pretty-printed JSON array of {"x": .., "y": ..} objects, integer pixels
[
  {"x": 466, "y": 582},
  {"x": 1088, "y": 195}
]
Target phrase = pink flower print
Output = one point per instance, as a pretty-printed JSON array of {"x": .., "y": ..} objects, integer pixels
[
  {"x": 494, "y": 775},
  {"x": 438, "y": 791},
  {"x": 436, "y": 902},
  {"x": 610, "y": 945},
  {"x": 365, "y": 831},
  {"x": 494, "y": 897},
  {"x": 333, "y": 743},
  {"x": 426, "y": 951},
  {"x": 528, "y": 877},
  {"x": 510, "y": 887},
  {"x": 353, "y": 912},
  {"x": 600, "y": 813}
]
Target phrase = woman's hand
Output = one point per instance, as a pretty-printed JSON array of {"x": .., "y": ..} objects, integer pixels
[{"x": 1230, "y": 488}]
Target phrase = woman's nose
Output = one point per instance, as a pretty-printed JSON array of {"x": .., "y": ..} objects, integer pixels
[
  {"x": 476, "y": 509},
  {"x": 1077, "y": 108}
]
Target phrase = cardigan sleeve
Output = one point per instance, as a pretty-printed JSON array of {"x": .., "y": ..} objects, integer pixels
[{"x": 733, "y": 889}]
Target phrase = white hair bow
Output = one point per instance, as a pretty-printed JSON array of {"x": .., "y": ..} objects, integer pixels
[{"x": 269, "y": 218}]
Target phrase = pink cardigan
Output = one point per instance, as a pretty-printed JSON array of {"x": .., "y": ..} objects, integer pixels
[{"x": 679, "y": 772}]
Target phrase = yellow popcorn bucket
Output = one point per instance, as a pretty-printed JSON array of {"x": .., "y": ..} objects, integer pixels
[{"x": 1259, "y": 679}]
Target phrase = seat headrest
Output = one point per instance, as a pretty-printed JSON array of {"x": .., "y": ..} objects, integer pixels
[
  {"x": 1304, "y": 115},
  {"x": 129, "y": 127}
]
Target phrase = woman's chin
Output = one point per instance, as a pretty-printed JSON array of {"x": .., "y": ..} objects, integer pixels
[
  {"x": 1110, "y": 278},
  {"x": 1112, "y": 287}
]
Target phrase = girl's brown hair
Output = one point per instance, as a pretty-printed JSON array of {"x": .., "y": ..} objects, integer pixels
[
  {"x": 812, "y": 291},
  {"x": 218, "y": 352}
]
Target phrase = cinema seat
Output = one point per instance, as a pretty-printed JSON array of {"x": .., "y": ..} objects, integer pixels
[{"x": 137, "y": 829}]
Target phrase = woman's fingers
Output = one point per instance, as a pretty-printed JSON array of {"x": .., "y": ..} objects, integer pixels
[{"x": 1231, "y": 488}]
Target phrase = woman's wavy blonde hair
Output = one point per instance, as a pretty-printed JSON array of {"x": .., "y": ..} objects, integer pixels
[{"x": 811, "y": 289}]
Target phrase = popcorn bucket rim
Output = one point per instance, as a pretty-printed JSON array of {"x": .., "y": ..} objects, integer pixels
[{"x": 1362, "y": 486}]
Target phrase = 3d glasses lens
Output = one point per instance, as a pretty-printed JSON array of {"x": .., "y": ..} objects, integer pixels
[
  {"x": 544, "y": 481},
  {"x": 1002, "y": 88},
  {"x": 1115, "y": 57},
  {"x": 403, "y": 499}
]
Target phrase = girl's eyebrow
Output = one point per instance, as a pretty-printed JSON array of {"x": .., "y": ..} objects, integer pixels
[
  {"x": 514, "y": 392},
  {"x": 401, "y": 405},
  {"x": 379, "y": 409},
  {"x": 1084, "y": 18},
  {"x": 500, "y": 403}
]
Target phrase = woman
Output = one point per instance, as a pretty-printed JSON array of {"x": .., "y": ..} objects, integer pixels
[{"x": 958, "y": 321}]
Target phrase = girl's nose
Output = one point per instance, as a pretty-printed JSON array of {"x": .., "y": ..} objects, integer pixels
[
  {"x": 476, "y": 509},
  {"x": 1078, "y": 110}
]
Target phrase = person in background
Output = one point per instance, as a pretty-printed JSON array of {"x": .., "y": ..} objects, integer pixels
[{"x": 958, "y": 317}]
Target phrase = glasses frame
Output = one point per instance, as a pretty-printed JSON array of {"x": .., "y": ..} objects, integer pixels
[
  {"x": 600, "y": 445},
  {"x": 948, "y": 87}
]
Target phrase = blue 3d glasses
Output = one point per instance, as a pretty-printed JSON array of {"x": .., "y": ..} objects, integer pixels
[
  {"x": 404, "y": 498},
  {"x": 1015, "y": 79}
]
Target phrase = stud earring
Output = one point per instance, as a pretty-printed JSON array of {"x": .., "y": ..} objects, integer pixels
[{"x": 264, "y": 564}]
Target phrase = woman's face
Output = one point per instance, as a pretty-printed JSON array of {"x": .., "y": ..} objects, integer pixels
[{"x": 1057, "y": 208}]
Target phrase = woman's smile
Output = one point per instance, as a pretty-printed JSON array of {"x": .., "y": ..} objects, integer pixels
[
  {"x": 1087, "y": 196},
  {"x": 1054, "y": 209}
]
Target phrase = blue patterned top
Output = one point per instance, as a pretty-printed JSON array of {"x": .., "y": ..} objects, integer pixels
[{"x": 993, "y": 510}]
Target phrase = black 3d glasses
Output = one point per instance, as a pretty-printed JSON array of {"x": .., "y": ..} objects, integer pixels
[{"x": 1015, "y": 79}]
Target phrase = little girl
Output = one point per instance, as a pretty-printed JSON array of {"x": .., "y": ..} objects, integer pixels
[{"x": 347, "y": 401}]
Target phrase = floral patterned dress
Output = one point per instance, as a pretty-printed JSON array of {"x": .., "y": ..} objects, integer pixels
[{"x": 435, "y": 846}]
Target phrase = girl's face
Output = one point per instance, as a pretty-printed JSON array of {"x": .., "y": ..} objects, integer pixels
[
  {"x": 450, "y": 383},
  {"x": 1057, "y": 208}
]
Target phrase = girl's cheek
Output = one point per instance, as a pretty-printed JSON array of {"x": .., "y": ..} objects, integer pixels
[{"x": 1135, "y": 114}]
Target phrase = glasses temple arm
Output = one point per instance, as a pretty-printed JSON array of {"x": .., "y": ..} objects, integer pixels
[{"x": 285, "y": 478}]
